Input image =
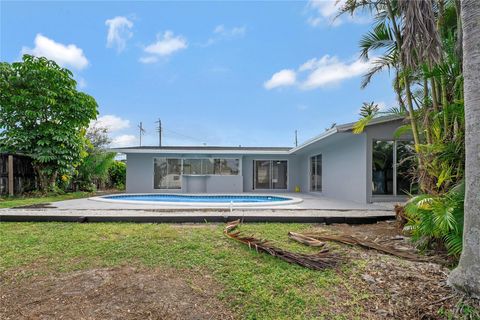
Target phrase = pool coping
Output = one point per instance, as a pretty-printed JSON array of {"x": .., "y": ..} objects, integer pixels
[{"x": 213, "y": 205}]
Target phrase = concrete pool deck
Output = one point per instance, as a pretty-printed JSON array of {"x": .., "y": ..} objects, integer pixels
[{"x": 313, "y": 208}]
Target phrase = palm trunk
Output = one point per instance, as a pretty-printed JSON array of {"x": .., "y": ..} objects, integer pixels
[
  {"x": 408, "y": 92},
  {"x": 445, "y": 107},
  {"x": 426, "y": 110},
  {"x": 434, "y": 94},
  {"x": 466, "y": 277},
  {"x": 398, "y": 91}
]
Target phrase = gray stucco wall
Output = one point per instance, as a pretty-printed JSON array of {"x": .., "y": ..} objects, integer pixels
[
  {"x": 346, "y": 167},
  {"x": 140, "y": 176},
  {"x": 343, "y": 166}
]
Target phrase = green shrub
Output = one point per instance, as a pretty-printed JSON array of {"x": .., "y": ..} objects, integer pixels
[
  {"x": 118, "y": 175},
  {"x": 437, "y": 219}
]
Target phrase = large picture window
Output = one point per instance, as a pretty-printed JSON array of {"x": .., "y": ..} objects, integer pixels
[
  {"x": 270, "y": 174},
  {"x": 316, "y": 173},
  {"x": 392, "y": 166},
  {"x": 168, "y": 171}
]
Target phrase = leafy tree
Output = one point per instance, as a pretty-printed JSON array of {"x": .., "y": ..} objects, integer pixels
[
  {"x": 94, "y": 169},
  {"x": 118, "y": 175},
  {"x": 44, "y": 116}
]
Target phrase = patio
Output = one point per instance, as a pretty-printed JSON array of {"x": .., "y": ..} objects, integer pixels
[{"x": 314, "y": 208}]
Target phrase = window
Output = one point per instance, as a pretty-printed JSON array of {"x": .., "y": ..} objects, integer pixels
[
  {"x": 406, "y": 168},
  {"x": 226, "y": 167},
  {"x": 167, "y": 173},
  {"x": 192, "y": 166},
  {"x": 393, "y": 165},
  {"x": 270, "y": 174},
  {"x": 382, "y": 167},
  {"x": 316, "y": 173}
]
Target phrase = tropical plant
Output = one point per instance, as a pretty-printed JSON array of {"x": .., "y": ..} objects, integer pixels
[
  {"x": 428, "y": 82},
  {"x": 93, "y": 171},
  {"x": 437, "y": 219},
  {"x": 43, "y": 116}
]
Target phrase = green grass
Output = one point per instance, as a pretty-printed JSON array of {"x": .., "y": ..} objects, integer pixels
[
  {"x": 10, "y": 202},
  {"x": 256, "y": 286}
]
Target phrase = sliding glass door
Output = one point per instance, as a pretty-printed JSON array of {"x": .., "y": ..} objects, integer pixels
[
  {"x": 270, "y": 174},
  {"x": 392, "y": 167},
  {"x": 316, "y": 173}
]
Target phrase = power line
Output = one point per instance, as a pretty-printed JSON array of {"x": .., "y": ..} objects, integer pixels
[{"x": 183, "y": 135}]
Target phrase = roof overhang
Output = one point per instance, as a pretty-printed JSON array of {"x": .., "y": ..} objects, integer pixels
[{"x": 200, "y": 151}]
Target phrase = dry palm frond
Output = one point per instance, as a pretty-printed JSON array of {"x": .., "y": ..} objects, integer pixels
[
  {"x": 350, "y": 240},
  {"x": 318, "y": 261},
  {"x": 421, "y": 40}
]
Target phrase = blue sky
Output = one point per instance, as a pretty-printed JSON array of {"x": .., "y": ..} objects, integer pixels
[{"x": 237, "y": 73}]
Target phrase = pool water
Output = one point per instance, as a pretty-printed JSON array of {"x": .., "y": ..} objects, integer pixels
[{"x": 199, "y": 198}]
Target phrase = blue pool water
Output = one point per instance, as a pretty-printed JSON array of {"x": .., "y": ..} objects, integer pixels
[{"x": 198, "y": 198}]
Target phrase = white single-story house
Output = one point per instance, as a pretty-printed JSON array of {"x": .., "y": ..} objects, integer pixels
[{"x": 368, "y": 167}]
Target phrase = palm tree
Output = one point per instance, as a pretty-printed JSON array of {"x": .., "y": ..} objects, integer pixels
[{"x": 466, "y": 276}]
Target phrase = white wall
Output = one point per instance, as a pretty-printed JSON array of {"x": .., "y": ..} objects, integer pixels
[{"x": 343, "y": 166}]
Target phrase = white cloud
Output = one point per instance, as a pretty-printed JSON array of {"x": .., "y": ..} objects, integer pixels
[
  {"x": 233, "y": 32},
  {"x": 318, "y": 73},
  {"x": 321, "y": 12},
  {"x": 330, "y": 70},
  {"x": 125, "y": 140},
  {"x": 81, "y": 83},
  {"x": 149, "y": 59},
  {"x": 112, "y": 122},
  {"x": 118, "y": 32},
  {"x": 283, "y": 78},
  {"x": 65, "y": 55},
  {"x": 165, "y": 45},
  {"x": 221, "y": 32},
  {"x": 302, "y": 107}
]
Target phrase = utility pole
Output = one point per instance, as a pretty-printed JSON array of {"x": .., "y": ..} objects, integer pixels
[
  {"x": 159, "y": 130},
  {"x": 141, "y": 132},
  {"x": 296, "y": 138}
]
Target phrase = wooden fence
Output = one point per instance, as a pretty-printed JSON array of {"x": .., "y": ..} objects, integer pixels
[{"x": 16, "y": 174}]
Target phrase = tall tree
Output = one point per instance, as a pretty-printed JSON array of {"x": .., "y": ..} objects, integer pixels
[
  {"x": 44, "y": 116},
  {"x": 466, "y": 276}
]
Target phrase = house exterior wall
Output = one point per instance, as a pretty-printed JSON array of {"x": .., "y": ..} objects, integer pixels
[
  {"x": 346, "y": 167},
  {"x": 385, "y": 131},
  {"x": 343, "y": 167},
  {"x": 140, "y": 176}
]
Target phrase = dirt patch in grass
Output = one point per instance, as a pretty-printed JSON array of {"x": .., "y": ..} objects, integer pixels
[
  {"x": 395, "y": 288},
  {"x": 113, "y": 293}
]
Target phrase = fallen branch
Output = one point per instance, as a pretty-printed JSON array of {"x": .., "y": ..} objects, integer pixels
[
  {"x": 350, "y": 240},
  {"x": 319, "y": 261}
]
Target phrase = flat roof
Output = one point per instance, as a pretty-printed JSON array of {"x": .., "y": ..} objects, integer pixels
[{"x": 252, "y": 150}]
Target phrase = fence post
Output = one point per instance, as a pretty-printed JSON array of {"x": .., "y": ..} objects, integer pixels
[{"x": 11, "y": 190}]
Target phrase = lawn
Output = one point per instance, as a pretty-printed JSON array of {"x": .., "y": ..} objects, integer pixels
[
  {"x": 246, "y": 284},
  {"x": 10, "y": 202}
]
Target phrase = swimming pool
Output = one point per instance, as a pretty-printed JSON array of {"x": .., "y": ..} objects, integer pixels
[{"x": 203, "y": 200}]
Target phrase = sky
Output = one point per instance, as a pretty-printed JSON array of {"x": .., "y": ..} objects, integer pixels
[{"x": 215, "y": 73}]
